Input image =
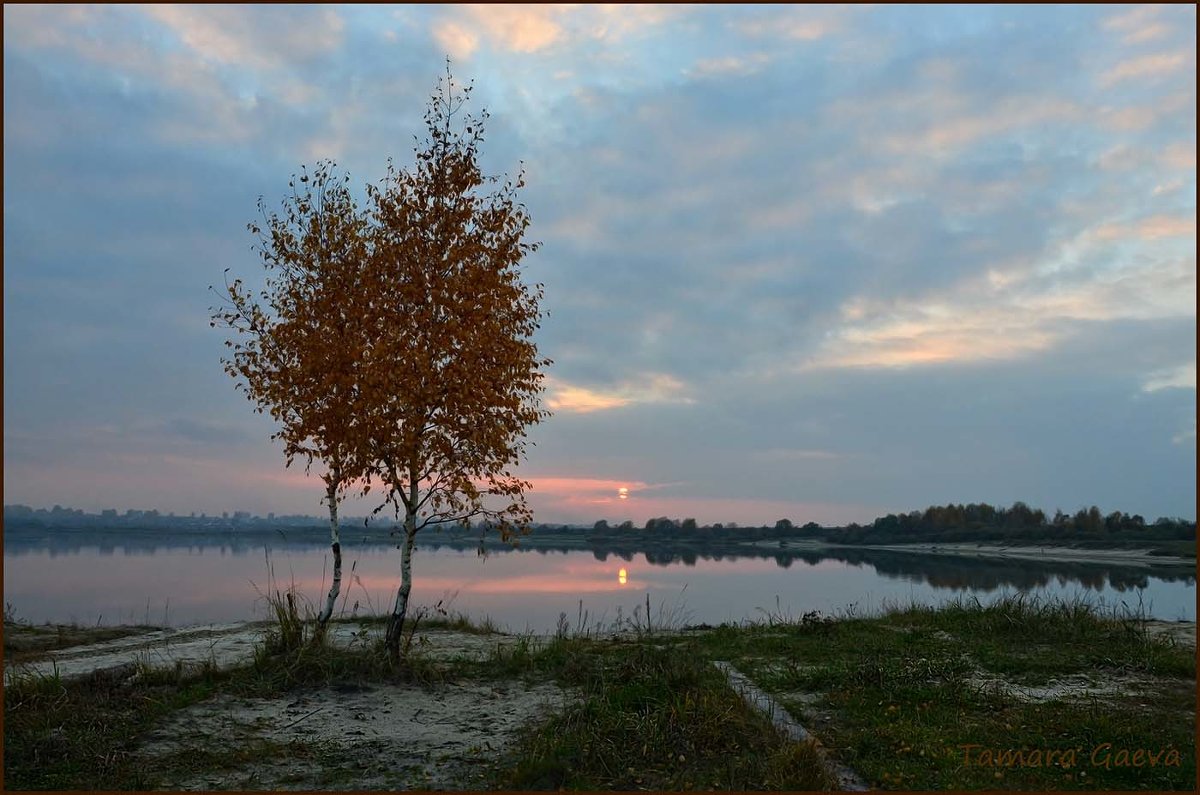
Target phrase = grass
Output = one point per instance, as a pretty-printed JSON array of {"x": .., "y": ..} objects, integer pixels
[
  {"x": 431, "y": 618},
  {"x": 652, "y": 719},
  {"x": 910, "y": 697},
  {"x": 915, "y": 698},
  {"x": 296, "y": 654},
  {"x": 62, "y": 735}
]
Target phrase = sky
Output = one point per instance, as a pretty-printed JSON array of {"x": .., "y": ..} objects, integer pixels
[{"x": 820, "y": 263}]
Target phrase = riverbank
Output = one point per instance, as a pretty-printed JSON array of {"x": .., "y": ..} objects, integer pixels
[
  {"x": 1134, "y": 558},
  {"x": 1123, "y": 557},
  {"x": 958, "y": 697}
]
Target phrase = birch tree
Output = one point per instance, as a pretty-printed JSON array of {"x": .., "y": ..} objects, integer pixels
[
  {"x": 298, "y": 349},
  {"x": 453, "y": 378},
  {"x": 396, "y": 344}
]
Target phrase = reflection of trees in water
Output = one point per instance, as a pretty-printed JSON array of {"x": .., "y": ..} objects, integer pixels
[
  {"x": 939, "y": 571},
  {"x": 666, "y": 558},
  {"x": 989, "y": 574},
  {"x": 947, "y": 571}
]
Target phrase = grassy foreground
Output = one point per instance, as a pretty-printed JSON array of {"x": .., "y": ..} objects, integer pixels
[{"x": 1018, "y": 695}]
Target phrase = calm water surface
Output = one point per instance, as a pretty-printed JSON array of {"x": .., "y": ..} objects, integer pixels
[{"x": 182, "y": 585}]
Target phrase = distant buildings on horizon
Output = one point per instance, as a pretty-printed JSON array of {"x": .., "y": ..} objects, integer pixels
[{"x": 77, "y": 518}]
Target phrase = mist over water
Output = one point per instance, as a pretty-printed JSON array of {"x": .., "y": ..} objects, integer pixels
[{"x": 178, "y": 584}]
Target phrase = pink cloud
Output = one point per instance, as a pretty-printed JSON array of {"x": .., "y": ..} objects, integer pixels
[
  {"x": 642, "y": 388},
  {"x": 1148, "y": 66},
  {"x": 1138, "y": 25}
]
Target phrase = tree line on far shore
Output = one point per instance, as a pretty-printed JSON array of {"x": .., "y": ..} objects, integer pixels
[
  {"x": 945, "y": 524},
  {"x": 937, "y": 524}
]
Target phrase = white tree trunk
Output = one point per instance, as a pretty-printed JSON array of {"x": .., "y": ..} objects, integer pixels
[
  {"x": 400, "y": 609},
  {"x": 335, "y": 543}
]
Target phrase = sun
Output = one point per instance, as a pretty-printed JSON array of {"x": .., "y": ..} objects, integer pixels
[{"x": 622, "y": 493}]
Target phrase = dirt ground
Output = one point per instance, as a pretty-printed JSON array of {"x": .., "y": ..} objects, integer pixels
[{"x": 381, "y": 738}]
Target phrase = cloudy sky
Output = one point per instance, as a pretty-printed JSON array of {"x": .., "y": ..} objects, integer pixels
[{"x": 819, "y": 263}]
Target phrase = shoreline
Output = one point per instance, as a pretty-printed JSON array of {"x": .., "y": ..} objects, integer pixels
[
  {"x": 232, "y": 644},
  {"x": 475, "y": 709},
  {"x": 1130, "y": 557},
  {"x": 1049, "y": 553}
]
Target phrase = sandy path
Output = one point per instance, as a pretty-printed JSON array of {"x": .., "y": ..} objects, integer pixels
[
  {"x": 762, "y": 701},
  {"x": 228, "y": 645},
  {"x": 224, "y": 644}
]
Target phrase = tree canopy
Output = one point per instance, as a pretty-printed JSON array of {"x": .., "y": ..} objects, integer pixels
[{"x": 395, "y": 343}]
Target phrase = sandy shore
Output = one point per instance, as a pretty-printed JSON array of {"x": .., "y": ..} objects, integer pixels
[
  {"x": 230, "y": 645},
  {"x": 1048, "y": 554}
]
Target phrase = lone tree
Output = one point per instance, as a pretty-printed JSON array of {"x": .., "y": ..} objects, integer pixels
[
  {"x": 453, "y": 378},
  {"x": 395, "y": 344},
  {"x": 299, "y": 347}
]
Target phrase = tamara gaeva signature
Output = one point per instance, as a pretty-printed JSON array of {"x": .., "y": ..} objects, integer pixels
[{"x": 1104, "y": 755}]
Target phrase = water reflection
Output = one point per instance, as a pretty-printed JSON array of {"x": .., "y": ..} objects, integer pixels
[{"x": 63, "y": 577}]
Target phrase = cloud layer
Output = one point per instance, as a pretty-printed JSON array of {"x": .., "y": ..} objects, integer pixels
[{"x": 816, "y": 262}]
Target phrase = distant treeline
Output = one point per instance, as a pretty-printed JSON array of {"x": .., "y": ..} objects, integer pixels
[
  {"x": 938, "y": 524},
  {"x": 976, "y": 522},
  {"x": 1019, "y": 523}
]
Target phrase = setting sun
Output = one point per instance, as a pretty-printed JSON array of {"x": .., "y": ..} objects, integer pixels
[
  {"x": 621, "y": 576},
  {"x": 623, "y": 493}
]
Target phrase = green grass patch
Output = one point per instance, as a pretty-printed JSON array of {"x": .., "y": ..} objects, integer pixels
[
  {"x": 939, "y": 736},
  {"x": 960, "y": 697},
  {"x": 653, "y": 719},
  {"x": 63, "y": 735}
]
